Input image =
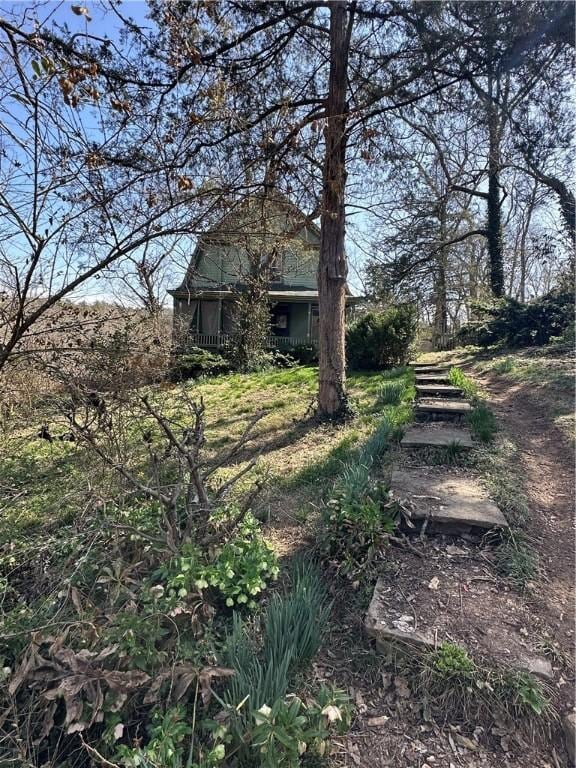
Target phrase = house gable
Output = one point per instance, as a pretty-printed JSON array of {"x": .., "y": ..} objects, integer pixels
[{"x": 273, "y": 230}]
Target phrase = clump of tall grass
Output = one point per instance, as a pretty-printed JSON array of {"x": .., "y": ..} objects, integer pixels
[
  {"x": 482, "y": 423},
  {"x": 291, "y": 633},
  {"x": 459, "y": 379},
  {"x": 516, "y": 558},
  {"x": 391, "y": 392}
]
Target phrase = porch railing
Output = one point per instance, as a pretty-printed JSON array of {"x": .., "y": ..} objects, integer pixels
[{"x": 226, "y": 340}]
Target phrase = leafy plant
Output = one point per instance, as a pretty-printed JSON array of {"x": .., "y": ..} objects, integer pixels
[
  {"x": 197, "y": 362},
  {"x": 482, "y": 423},
  {"x": 238, "y": 570},
  {"x": 511, "y": 323},
  {"x": 290, "y": 728},
  {"x": 380, "y": 340}
]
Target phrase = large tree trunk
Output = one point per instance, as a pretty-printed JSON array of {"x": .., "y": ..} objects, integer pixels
[
  {"x": 494, "y": 223},
  {"x": 332, "y": 266}
]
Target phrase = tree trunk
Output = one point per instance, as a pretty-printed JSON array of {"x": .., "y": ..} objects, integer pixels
[
  {"x": 494, "y": 223},
  {"x": 332, "y": 266}
]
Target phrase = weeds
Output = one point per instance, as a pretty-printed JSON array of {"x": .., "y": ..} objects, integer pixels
[
  {"x": 516, "y": 558},
  {"x": 459, "y": 379},
  {"x": 453, "y": 685},
  {"x": 482, "y": 423}
]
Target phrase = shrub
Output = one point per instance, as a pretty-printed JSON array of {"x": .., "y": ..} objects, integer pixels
[
  {"x": 197, "y": 362},
  {"x": 511, "y": 323},
  {"x": 380, "y": 340},
  {"x": 305, "y": 354}
]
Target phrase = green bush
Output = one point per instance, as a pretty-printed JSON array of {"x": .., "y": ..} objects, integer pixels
[
  {"x": 510, "y": 323},
  {"x": 197, "y": 362},
  {"x": 381, "y": 340},
  {"x": 305, "y": 354}
]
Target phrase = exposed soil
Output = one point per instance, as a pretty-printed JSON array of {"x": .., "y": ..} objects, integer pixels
[
  {"x": 547, "y": 462},
  {"x": 388, "y": 728}
]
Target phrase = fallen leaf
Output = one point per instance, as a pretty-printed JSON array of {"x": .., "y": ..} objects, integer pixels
[
  {"x": 434, "y": 583},
  {"x": 376, "y": 722}
]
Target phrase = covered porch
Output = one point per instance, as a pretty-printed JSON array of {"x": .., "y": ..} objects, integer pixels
[{"x": 207, "y": 319}]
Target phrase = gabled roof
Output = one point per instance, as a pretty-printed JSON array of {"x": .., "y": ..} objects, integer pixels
[{"x": 234, "y": 223}]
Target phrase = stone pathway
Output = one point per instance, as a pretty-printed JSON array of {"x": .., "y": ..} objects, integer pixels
[{"x": 451, "y": 595}]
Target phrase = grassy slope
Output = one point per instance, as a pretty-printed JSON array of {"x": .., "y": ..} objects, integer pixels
[{"x": 47, "y": 484}]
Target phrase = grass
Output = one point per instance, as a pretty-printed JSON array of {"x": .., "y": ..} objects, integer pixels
[
  {"x": 482, "y": 423},
  {"x": 455, "y": 686}
]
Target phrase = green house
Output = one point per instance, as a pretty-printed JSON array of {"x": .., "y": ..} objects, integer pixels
[{"x": 266, "y": 238}]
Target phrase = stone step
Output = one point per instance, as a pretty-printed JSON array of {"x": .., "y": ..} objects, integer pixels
[
  {"x": 454, "y": 611},
  {"x": 452, "y": 503},
  {"x": 440, "y": 390},
  {"x": 441, "y": 409},
  {"x": 432, "y": 378},
  {"x": 437, "y": 436},
  {"x": 431, "y": 369}
]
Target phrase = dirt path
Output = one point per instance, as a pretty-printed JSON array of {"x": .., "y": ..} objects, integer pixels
[{"x": 547, "y": 463}]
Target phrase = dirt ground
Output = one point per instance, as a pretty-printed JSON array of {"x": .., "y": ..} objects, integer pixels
[
  {"x": 388, "y": 728},
  {"x": 547, "y": 460}
]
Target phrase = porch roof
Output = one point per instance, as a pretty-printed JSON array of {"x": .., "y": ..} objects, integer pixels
[{"x": 274, "y": 295}]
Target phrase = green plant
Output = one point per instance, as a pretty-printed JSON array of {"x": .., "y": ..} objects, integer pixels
[
  {"x": 455, "y": 686},
  {"x": 305, "y": 354},
  {"x": 169, "y": 744},
  {"x": 459, "y": 379},
  {"x": 526, "y": 692},
  {"x": 482, "y": 423},
  {"x": 511, "y": 323},
  {"x": 197, "y": 362},
  {"x": 391, "y": 392},
  {"x": 291, "y": 634},
  {"x": 516, "y": 558},
  {"x": 290, "y": 728},
  {"x": 237, "y": 571},
  {"x": 380, "y": 340}
]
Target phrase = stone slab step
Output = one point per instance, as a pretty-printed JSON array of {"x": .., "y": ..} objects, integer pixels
[
  {"x": 441, "y": 409},
  {"x": 399, "y": 627},
  {"x": 440, "y": 390},
  {"x": 437, "y": 378},
  {"x": 437, "y": 436},
  {"x": 430, "y": 369},
  {"x": 451, "y": 502}
]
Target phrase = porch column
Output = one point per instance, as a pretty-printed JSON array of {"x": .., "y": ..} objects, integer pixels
[
  {"x": 219, "y": 321},
  {"x": 309, "y": 321}
]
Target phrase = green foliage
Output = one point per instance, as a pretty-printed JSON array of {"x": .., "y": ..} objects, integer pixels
[
  {"x": 237, "y": 571},
  {"x": 526, "y": 692},
  {"x": 381, "y": 340},
  {"x": 197, "y": 362},
  {"x": 459, "y": 379},
  {"x": 305, "y": 354},
  {"x": 510, "y": 323},
  {"x": 451, "y": 660},
  {"x": 291, "y": 632},
  {"x": 391, "y": 392},
  {"x": 290, "y": 728},
  {"x": 482, "y": 423},
  {"x": 168, "y": 746}
]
